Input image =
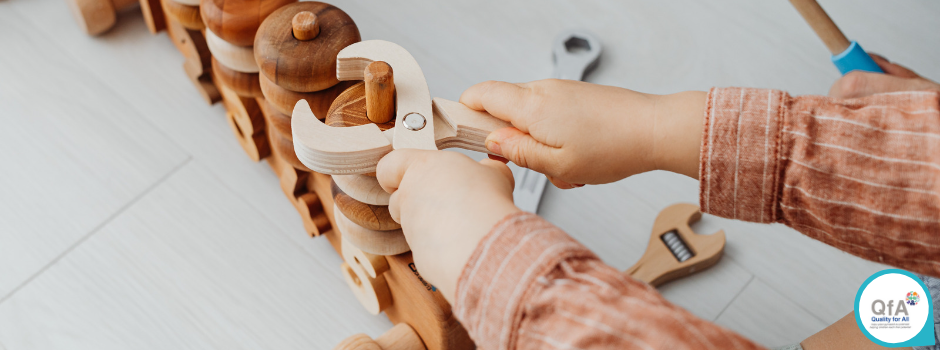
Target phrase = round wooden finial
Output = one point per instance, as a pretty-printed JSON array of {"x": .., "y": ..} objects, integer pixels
[
  {"x": 380, "y": 92},
  {"x": 298, "y": 65},
  {"x": 305, "y": 25}
]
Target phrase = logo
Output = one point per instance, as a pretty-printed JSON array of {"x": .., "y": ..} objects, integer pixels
[
  {"x": 912, "y": 298},
  {"x": 889, "y": 311}
]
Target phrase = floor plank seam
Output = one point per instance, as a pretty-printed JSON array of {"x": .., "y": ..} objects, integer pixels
[
  {"x": 335, "y": 272},
  {"x": 799, "y": 305},
  {"x": 96, "y": 229},
  {"x": 738, "y": 294}
]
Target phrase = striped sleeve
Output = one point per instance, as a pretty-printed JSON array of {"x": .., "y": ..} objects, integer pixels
[
  {"x": 862, "y": 175},
  {"x": 529, "y": 285}
]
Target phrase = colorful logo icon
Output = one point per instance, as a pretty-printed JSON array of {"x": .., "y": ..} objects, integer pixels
[{"x": 912, "y": 298}]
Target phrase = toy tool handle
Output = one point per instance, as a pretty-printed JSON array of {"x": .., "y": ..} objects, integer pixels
[{"x": 846, "y": 55}]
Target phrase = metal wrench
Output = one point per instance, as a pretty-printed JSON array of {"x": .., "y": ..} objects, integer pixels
[{"x": 575, "y": 52}]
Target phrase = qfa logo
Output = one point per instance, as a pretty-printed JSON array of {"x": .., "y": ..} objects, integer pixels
[
  {"x": 888, "y": 310},
  {"x": 879, "y": 308}
]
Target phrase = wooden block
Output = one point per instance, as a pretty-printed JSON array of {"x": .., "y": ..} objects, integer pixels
[
  {"x": 243, "y": 84},
  {"x": 303, "y": 65},
  {"x": 192, "y": 45},
  {"x": 203, "y": 83},
  {"x": 659, "y": 265},
  {"x": 97, "y": 16},
  {"x": 154, "y": 16},
  {"x": 372, "y": 292},
  {"x": 380, "y": 92},
  {"x": 237, "y": 21},
  {"x": 372, "y": 217},
  {"x": 187, "y": 16},
  {"x": 311, "y": 213}
]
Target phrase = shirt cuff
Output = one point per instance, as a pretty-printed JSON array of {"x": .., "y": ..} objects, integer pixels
[
  {"x": 739, "y": 163},
  {"x": 502, "y": 271}
]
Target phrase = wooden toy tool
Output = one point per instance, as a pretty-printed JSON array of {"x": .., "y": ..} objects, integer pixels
[
  {"x": 675, "y": 250},
  {"x": 419, "y": 123},
  {"x": 846, "y": 55}
]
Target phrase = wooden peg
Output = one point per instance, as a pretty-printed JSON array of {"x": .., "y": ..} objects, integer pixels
[
  {"x": 400, "y": 337},
  {"x": 305, "y": 26},
  {"x": 97, "y": 16},
  {"x": 691, "y": 253},
  {"x": 380, "y": 92},
  {"x": 349, "y": 109},
  {"x": 824, "y": 27}
]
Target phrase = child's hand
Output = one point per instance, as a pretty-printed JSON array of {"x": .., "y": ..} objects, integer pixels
[
  {"x": 446, "y": 203},
  {"x": 896, "y": 78},
  {"x": 581, "y": 133}
]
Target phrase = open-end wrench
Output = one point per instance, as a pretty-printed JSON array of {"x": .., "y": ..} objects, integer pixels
[{"x": 575, "y": 52}]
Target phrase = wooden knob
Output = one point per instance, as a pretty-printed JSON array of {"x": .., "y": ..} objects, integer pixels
[
  {"x": 237, "y": 21},
  {"x": 305, "y": 25},
  {"x": 303, "y": 65},
  {"x": 380, "y": 92},
  {"x": 349, "y": 109}
]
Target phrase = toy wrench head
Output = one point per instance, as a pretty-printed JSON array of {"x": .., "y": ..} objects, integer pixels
[{"x": 357, "y": 149}]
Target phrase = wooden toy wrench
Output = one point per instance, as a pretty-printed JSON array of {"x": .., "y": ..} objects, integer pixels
[
  {"x": 419, "y": 122},
  {"x": 675, "y": 250}
]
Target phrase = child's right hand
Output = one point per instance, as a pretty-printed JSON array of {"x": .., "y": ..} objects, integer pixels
[{"x": 581, "y": 133}]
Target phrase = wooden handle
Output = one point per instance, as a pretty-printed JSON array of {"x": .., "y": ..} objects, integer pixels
[
  {"x": 305, "y": 25},
  {"x": 824, "y": 27},
  {"x": 380, "y": 92}
]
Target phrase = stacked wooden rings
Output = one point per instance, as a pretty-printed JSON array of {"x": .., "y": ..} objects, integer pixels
[{"x": 295, "y": 55}]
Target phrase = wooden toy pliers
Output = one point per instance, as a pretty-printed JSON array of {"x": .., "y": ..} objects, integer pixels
[{"x": 420, "y": 122}]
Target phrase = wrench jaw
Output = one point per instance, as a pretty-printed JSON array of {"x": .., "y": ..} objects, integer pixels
[{"x": 336, "y": 151}]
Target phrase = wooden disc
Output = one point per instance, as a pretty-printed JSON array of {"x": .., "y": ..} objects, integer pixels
[
  {"x": 243, "y": 84},
  {"x": 94, "y": 16},
  {"x": 237, "y": 21},
  {"x": 284, "y": 147},
  {"x": 349, "y": 109},
  {"x": 277, "y": 120},
  {"x": 370, "y": 241},
  {"x": 188, "y": 2},
  {"x": 309, "y": 65},
  {"x": 239, "y": 58},
  {"x": 372, "y": 217},
  {"x": 186, "y": 15},
  {"x": 284, "y": 100},
  {"x": 362, "y": 188}
]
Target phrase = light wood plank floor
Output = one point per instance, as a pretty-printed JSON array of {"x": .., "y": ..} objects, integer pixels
[{"x": 130, "y": 219}]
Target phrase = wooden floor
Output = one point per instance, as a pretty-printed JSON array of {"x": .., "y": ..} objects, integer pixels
[{"x": 131, "y": 219}]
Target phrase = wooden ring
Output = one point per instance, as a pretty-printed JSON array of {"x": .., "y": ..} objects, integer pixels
[
  {"x": 362, "y": 188},
  {"x": 284, "y": 100},
  {"x": 186, "y": 15},
  {"x": 239, "y": 58},
  {"x": 284, "y": 148},
  {"x": 237, "y": 21},
  {"x": 243, "y": 84},
  {"x": 372, "y": 217},
  {"x": 370, "y": 241},
  {"x": 303, "y": 65}
]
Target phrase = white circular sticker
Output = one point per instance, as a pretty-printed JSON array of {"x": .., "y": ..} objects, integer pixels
[{"x": 893, "y": 307}]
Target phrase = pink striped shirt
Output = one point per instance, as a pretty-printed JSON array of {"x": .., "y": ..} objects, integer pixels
[{"x": 860, "y": 175}]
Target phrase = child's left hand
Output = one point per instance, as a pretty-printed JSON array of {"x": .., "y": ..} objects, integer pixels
[{"x": 446, "y": 203}]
